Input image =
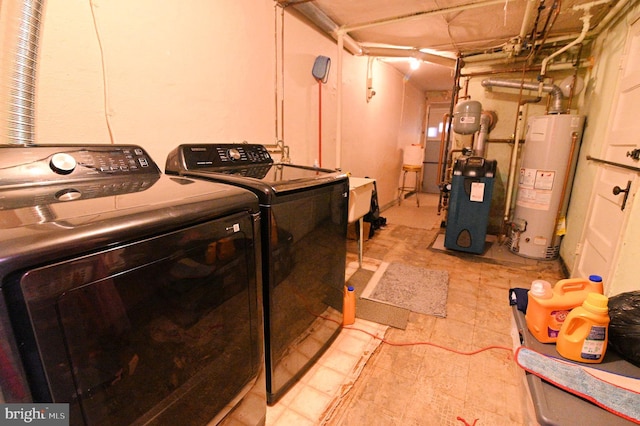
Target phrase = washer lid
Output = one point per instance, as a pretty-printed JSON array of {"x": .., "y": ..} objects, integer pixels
[{"x": 253, "y": 169}]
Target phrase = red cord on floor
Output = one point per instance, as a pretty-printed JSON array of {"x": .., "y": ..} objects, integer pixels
[
  {"x": 465, "y": 422},
  {"x": 477, "y": 351},
  {"x": 388, "y": 342}
]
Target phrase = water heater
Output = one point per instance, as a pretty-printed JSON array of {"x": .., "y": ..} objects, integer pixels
[{"x": 546, "y": 173}]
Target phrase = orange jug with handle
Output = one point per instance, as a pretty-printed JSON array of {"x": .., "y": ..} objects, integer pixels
[
  {"x": 547, "y": 308},
  {"x": 584, "y": 334}
]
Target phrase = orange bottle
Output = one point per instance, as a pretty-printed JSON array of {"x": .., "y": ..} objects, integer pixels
[
  {"x": 349, "y": 306},
  {"x": 584, "y": 334},
  {"x": 547, "y": 310}
]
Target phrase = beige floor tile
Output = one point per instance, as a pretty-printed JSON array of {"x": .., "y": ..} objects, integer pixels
[
  {"x": 342, "y": 362},
  {"x": 292, "y": 418},
  {"x": 274, "y": 413},
  {"x": 351, "y": 342},
  {"x": 310, "y": 403},
  {"x": 326, "y": 380},
  {"x": 424, "y": 382}
]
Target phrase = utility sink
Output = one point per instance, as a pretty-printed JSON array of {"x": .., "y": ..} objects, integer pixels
[{"x": 360, "y": 190}]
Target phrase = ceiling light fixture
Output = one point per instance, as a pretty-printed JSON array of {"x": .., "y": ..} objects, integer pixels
[{"x": 414, "y": 63}]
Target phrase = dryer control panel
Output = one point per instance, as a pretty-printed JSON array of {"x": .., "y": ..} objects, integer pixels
[
  {"x": 49, "y": 164},
  {"x": 40, "y": 175}
]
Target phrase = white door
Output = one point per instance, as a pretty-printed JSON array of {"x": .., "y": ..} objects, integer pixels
[{"x": 615, "y": 186}]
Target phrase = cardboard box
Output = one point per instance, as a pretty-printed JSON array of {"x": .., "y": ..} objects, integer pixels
[{"x": 353, "y": 231}]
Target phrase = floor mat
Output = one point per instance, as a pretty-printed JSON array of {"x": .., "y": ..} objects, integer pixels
[
  {"x": 411, "y": 287},
  {"x": 372, "y": 310}
]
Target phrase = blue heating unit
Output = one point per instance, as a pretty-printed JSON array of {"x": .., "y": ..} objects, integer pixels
[{"x": 469, "y": 205}]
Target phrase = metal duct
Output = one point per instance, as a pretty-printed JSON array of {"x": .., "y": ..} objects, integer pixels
[
  {"x": 20, "y": 23},
  {"x": 320, "y": 19},
  {"x": 487, "y": 121},
  {"x": 554, "y": 91}
]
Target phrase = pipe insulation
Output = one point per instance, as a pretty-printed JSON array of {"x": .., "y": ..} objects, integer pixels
[
  {"x": 21, "y": 22},
  {"x": 554, "y": 91},
  {"x": 322, "y": 21},
  {"x": 393, "y": 52}
]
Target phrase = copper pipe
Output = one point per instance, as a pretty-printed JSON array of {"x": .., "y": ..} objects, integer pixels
[
  {"x": 440, "y": 178},
  {"x": 575, "y": 79},
  {"x": 454, "y": 99},
  {"x": 450, "y": 161},
  {"x": 565, "y": 183}
]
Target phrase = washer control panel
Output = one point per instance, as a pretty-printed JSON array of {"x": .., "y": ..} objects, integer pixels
[{"x": 211, "y": 156}]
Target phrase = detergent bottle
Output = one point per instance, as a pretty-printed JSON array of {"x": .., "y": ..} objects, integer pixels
[
  {"x": 547, "y": 308},
  {"x": 584, "y": 334}
]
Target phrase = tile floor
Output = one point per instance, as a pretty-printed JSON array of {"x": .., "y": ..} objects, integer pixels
[{"x": 361, "y": 381}]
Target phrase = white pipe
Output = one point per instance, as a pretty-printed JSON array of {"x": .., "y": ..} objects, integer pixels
[
  {"x": 597, "y": 30},
  {"x": 512, "y": 165},
  {"x": 339, "y": 101},
  {"x": 608, "y": 17},
  {"x": 418, "y": 15},
  {"x": 500, "y": 57},
  {"x": 279, "y": 71},
  {"x": 586, "y": 19},
  {"x": 370, "y": 92},
  {"x": 526, "y": 26},
  {"x": 398, "y": 52}
]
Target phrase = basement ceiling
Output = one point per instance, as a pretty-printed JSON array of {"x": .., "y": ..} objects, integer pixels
[{"x": 493, "y": 32}]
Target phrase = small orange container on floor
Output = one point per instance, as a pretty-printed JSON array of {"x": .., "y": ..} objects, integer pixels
[
  {"x": 548, "y": 308},
  {"x": 349, "y": 306}
]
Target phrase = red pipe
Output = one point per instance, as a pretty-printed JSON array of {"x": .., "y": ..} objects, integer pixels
[{"x": 319, "y": 123}]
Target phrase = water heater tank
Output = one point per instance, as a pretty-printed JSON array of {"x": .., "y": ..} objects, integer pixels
[{"x": 546, "y": 173}]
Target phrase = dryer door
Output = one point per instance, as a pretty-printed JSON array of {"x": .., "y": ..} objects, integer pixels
[{"x": 166, "y": 329}]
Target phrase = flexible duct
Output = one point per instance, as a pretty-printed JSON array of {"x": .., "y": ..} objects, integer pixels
[
  {"x": 554, "y": 91},
  {"x": 21, "y": 30}
]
